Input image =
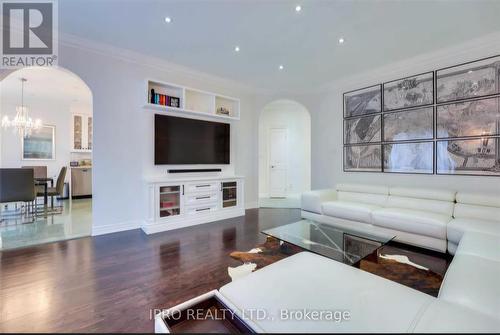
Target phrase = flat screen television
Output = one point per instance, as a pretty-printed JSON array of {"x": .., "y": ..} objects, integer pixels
[{"x": 186, "y": 141}]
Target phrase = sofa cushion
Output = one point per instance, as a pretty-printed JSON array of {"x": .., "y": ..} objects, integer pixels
[
  {"x": 412, "y": 221},
  {"x": 365, "y": 198},
  {"x": 480, "y": 245},
  {"x": 349, "y": 210},
  {"x": 311, "y": 201},
  {"x": 481, "y": 199},
  {"x": 423, "y": 193},
  {"x": 361, "y": 188},
  {"x": 457, "y": 227},
  {"x": 434, "y": 206},
  {"x": 308, "y": 282},
  {"x": 444, "y": 317},
  {"x": 473, "y": 282},
  {"x": 477, "y": 212}
]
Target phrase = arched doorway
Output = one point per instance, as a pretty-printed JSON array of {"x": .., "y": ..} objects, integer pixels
[
  {"x": 62, "y": 103},
  {"x": 284, "y": 154}
]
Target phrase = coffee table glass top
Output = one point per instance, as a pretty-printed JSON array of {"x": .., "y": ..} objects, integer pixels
[{"x": 343, "y": 245}]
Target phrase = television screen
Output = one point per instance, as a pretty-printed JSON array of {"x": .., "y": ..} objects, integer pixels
[{"x": 187, "y": 141}]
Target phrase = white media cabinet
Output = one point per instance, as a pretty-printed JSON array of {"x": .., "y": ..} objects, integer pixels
[{"x": 177, "y": 203}]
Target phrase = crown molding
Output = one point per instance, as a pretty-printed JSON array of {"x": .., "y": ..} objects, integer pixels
[
  {"x": 485, "y": 46},
  {"x": 104, "y": 49}
]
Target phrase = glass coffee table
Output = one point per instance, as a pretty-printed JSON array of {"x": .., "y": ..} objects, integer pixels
[{"x": 343, "y": 245}]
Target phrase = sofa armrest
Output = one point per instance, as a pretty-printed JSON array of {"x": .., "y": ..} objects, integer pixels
[{"x": 312, "y": 200}]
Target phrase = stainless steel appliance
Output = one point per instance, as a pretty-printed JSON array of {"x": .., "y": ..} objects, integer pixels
[{"x": 81, "y": 181}]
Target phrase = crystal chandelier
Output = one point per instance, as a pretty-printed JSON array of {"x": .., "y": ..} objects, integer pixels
[{"x": 22, "y": 123}]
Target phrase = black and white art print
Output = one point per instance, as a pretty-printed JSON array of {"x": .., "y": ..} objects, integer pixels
[
  {"x": 479, "y": 156},
  {"x": 367, "y": 158},
  {"x": 363, "y": 130},
  {"x": 409, "y": 157},
  {"x": 364, "y": 101},
  {"x": 471, "y": 80},
  {"x": 415, "y": 124},
  {"x": 409, "y": 92},
  {"x": 470, "y": 118}
]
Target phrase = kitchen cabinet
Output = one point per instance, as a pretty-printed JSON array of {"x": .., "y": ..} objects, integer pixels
[{"x": 82, "y": 132}]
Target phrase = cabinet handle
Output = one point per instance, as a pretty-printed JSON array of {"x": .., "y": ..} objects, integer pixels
[
  {"x": 206, "y": 197},
  {"x": 182, "y": 189},
  {"x": 202, "y": 209},
  {"x": 198, "y": 186}
]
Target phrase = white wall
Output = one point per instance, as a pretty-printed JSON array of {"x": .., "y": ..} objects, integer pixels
[
  {"x": 296, "y": 119},
  {"x": 52, "y": 111},
  {"x": 123, "y": 130},
  {"x": 326, "y": 110}
]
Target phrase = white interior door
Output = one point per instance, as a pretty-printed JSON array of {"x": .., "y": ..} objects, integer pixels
[{"x": 277, "y": 162}]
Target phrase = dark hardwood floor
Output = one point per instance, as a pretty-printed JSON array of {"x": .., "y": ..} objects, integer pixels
[{"x": 109, "y": 283}]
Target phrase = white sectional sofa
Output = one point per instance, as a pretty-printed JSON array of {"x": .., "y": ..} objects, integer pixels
[
  {"x": 429, "y": 218},
  {"x": 469, "y": 297},
  {"x": 468, "y": 300}
]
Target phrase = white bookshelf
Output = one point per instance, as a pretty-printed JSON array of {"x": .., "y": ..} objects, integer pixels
[{"x": 192, "y": 101}]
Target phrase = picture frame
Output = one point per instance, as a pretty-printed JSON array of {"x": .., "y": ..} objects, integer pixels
[
  {"x": 363, "y": 101},
  {"x": 363, "y": 158},
  {"x": 413, "y": 124},
  {"x": 478, "y": 156},
  {"x": 40, "y": 145},
  {"x": 474, "y": 79},
  {"x": 409, "y": 157},
  {"x": 365, "y": 129},
  {"x": 471, "y": 118},
  {"x": 408, "y": 92}
]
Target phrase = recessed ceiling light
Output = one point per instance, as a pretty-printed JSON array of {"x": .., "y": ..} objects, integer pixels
[
  {"x": 281, "y": 67},
  {"x": 168, "y": 19},
  {"x": 341, "y": 40},
  {"x": 298, "y": 8},
  {"x": 237, "y": 48}
]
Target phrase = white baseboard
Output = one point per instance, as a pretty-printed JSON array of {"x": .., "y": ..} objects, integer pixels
[
  {"x": 186, "y": 221},
  {"x": 115, "y": 228},
  {"x": 253, "y": 204}
]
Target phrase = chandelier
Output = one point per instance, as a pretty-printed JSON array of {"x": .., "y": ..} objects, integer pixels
[{"x": 22, "y": 122}]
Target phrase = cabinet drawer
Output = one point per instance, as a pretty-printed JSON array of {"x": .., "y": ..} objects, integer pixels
[
  {"x": 200, "y": 198},
  {"x": 203, "y": 208},
  {"x": 202, "y": 187}
]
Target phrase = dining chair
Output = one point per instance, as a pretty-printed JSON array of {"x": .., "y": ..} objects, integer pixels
[
  {"x": 18, "y": 185},
  {"x": 40, "y": 171},
  {"x": 58, "y": 190}
]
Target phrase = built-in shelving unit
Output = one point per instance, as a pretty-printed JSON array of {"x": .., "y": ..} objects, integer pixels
[
  {"x": 177, "y": 203},
  {"x": 191, "y": 101}
]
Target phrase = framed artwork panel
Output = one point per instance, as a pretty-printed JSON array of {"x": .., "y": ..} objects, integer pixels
[
  {"x": 363, "y": 101},
  {"x": 366, "y": 158},
  {"x": 415, "y": 157},
  {"x": 408, "y": 92},
  {"x": 469, "y": 80},
  {"x": 415, "y": 124},
  {"x": 469, "y": 118},
  {"x": 479, "y": 156},
  {"x": 365, "y": 129},
  {"x": 40, "y": 145}
]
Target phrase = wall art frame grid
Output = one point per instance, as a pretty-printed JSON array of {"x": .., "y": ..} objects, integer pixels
[{"x": 435, "y": 138}]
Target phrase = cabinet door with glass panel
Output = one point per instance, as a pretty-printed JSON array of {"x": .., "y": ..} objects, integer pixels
[
  {"x": 170, "y": 200},
  {"x": 82, "y": 133},
  {"x": 229, "y": 194}
]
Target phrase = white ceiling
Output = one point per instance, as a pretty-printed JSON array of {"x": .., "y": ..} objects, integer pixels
[
  {"x": 203, "y": 33},
  {"x": 45, "y": 83}
]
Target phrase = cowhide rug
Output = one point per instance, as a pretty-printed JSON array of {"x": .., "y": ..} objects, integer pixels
[
  {"x": 266, "y": 253},
  {"x": 407, "y": 268}
]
